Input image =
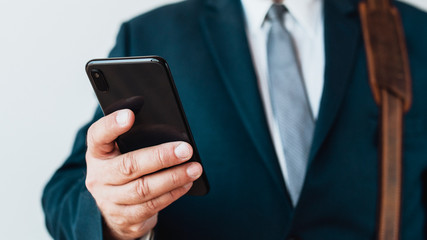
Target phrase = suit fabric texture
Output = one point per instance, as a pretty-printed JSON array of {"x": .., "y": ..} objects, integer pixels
[{"x": 206, "y": 46}]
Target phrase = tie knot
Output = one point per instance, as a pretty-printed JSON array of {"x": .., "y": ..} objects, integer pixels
[{"x": 276, "y": 13}]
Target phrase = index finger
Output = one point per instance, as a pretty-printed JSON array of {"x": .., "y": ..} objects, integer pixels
[{"x": 132, "y": 165}]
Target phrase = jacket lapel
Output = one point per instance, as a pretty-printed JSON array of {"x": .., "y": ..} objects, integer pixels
[
  {"x": 224, "y": 29},
  {"x": 342, "y": 38}
]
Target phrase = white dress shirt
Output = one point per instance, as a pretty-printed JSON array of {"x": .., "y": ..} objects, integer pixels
[{"x": 304, "y": 21}]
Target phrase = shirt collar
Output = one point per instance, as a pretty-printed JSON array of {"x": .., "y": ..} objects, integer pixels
[{"x": 307, "y": 13}]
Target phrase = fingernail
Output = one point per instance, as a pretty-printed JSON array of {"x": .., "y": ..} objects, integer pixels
[
  {"x": 122, "y": 117},
  {"x": 183, "y": 151},
  {"x": 188, "y": 185},
  {"x": 194, "y": 171}
]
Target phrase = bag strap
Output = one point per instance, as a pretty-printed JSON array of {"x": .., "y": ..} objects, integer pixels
[{"x": 390, "y": 81}]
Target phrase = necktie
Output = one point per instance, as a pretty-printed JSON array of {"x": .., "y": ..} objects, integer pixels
[{"x": 289, "y": 101}]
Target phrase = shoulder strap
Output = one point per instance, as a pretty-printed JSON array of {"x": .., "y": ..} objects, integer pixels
[{"x": 390, "y": 81}]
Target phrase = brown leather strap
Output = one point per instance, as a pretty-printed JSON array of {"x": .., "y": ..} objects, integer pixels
[{"x": 390, "y": 80}]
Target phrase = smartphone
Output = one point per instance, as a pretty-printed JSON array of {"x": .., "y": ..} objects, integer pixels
[{"x": 145, "y": 86}]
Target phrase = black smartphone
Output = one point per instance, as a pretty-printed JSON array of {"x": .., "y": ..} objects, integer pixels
[{"x": 145, "y": 86}]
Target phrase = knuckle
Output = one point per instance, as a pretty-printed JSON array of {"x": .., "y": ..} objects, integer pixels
[
  {"x": 108, "y": 124},
  {"x": 120, "y": 221},
  {"x": 142, "y": 188},
  {"x": 128, "y": 164},
  {"x": 136, "y": 229},
  {"x": 90, "y": 183},
  {"x": 151, "y": 207},
  {"x": 161, "y": 154},
  {"x": 174, "y": 194},
  {"x": 174, "y": 178},
  {"x": 130, "y": 232},
  {"x": 109, "y": 121},
  {"x": 93, "y": 133}
]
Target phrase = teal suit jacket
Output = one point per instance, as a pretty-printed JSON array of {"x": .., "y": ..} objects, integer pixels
[{"x": 205, "y": 44}]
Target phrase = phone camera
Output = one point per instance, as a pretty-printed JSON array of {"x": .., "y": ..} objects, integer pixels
[{"x": 99, "y": 80}]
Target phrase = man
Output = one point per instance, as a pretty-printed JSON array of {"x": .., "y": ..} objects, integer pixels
[{"x": 226, "y": 59}]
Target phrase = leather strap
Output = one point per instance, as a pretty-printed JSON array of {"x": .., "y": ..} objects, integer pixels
[{"x": 390, "y": 81}]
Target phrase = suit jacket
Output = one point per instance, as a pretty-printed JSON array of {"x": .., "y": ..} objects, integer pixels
[{"x": 206, "y": 46}]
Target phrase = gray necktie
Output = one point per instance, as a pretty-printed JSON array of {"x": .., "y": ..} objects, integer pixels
[{"x": 289, "y": 101}]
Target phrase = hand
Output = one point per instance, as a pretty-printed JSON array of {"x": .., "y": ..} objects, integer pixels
[{"x": 130, "y": 189}]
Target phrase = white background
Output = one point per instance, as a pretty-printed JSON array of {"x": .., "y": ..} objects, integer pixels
[{"x": 45, "y": 95}]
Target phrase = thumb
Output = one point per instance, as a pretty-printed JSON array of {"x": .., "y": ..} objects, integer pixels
[{"x": 102, "y": 134}]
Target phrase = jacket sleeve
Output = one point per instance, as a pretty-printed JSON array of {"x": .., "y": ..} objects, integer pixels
[{"x": 70, "y": 210}]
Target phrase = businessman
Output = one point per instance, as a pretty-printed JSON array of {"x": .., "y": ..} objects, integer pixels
[{"x": 278, "y": 99}]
